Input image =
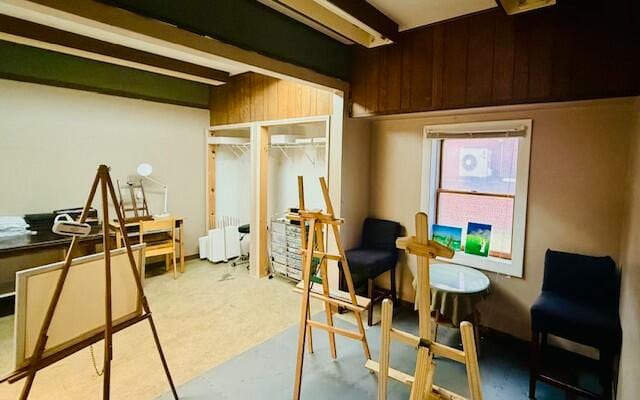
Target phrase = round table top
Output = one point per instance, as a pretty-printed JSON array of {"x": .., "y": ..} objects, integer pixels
[{"x": 457, "y": 278}]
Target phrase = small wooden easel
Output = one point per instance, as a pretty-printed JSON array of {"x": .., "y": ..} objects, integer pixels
[
  {"x": 37, "y": 361},
  {"x": 422, "y": 387},
  {"x": 140, "y": 211},
  {"x": 315, "y": 248}
]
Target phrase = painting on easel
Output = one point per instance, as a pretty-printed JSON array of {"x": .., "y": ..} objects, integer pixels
[
  {"x": 450, "y": 236},
  {"x": 478, "y": 239}
]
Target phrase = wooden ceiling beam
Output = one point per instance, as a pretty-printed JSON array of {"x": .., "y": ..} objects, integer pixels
[
  {"x": 366, "y": 14},
  {"x": 41, "y": 33}
]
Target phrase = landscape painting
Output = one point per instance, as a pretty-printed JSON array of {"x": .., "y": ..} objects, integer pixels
[
  {"x": 478, "y": 239},
  {"x": 450, "y": 236}
]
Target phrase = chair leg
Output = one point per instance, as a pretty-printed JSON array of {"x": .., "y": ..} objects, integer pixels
[
  {"x": 606, "y": 376},
  {"x": 167, "y": 262},
  {"x": 535, "y": 360},
  {"x": 394, "y": 294},
  {"x": 175, "y": 269},
  {"x": 370, "y": 294}
]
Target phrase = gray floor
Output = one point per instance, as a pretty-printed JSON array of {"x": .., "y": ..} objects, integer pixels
[{"x": 267, "y": 370}]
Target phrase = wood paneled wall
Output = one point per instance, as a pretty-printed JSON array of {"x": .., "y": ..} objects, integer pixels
[
  {"x": 253, "y": 97},
  {"x": 574, "y": 50}
]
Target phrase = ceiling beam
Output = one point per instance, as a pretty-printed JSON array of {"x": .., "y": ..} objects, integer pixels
[
  {"x": 322, "y": 19},
  {"x": 93, "y": 48},
  {"x": 114, "y": 25},
  {"x": 367, "y": 15}
]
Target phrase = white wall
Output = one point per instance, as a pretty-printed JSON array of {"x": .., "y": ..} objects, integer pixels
[
  {"x": 233, "y": 184},
  {"x": 53, "y": 139},
  {"x": 283, "y": 178},
  {"x": 356, "y": 164}
]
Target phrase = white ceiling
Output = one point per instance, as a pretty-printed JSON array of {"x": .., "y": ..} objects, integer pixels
[{"x": 413, "y": 13}]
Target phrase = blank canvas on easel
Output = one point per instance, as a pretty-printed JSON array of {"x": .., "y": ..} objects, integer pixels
[{"x": 81, "y": 309}]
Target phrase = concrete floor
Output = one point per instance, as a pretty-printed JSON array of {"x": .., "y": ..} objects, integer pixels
[
  {"x": 209, "y": 315},
  {"x": 267, "y": 370},
  {"x": 230, "y": 336}
]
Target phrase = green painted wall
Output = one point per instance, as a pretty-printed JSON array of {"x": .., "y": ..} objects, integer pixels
[
  {"x": 253, "y": 26},
  {"x": 24, "y": 63}
]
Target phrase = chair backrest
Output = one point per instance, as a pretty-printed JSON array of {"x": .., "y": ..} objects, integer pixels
[
  {"x": 380, "y": 234},
  {"x": 588, "y": 279},
  {"x": 164, "y": 224}
]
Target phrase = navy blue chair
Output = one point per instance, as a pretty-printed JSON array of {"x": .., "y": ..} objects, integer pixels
[
  {"x": 579, "y": 302},
  {"x": 376, "y": 255}
]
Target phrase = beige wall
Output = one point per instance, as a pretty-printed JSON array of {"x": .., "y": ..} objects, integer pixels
[
  {"x": 629, "y": 379},
  {"x": 576, "y": 190},
  {"x": 52, "y": 140},
  {"x": 356, "y": 142}
]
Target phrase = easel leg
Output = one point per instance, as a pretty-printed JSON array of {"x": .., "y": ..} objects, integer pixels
[
  {"x": 108, "y": 346},
  {"x": 352, "y": 290},
  {"x": 424, "y": 298},
  {"x": 42, "y": 336},
  {"x": 138, "y": 279},
  {"x": 385, "y": 343},
  {"x": 325, "y": 289},
  {"x": 309, "y": 331},
  {"x": 471, "y": 362},
  {"x": 304, "y": 310},
  {"x": 419, "y": 386}
]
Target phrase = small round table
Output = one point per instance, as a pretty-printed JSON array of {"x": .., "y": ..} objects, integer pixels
[{"x": 455, "y": 292}]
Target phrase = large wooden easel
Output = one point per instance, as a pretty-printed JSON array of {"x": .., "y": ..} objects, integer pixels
[
  {"x": 37, "y": 360},
  {"x": 421, "y": 383},
  {"x": 315, "y": 249}
]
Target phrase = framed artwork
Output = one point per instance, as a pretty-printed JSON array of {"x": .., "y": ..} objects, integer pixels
[
  {"x": 478, "y": 239},
  {"x": 450, "y": 236}
]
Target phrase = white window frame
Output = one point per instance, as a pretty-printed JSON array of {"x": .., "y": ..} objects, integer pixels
[{"x": 431, "y": 152}]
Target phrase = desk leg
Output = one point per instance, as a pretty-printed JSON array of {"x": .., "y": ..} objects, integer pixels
[
  {"x": 118, "y": 239},
  {"x": 181, "y": 247}
]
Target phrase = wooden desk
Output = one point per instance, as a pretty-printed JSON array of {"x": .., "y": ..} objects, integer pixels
[
  {"x": 134, "y": 227},
  {"x": 18, "y": 247}
]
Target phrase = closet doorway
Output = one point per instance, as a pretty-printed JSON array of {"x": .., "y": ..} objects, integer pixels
[{"x": 281, "y": 129}]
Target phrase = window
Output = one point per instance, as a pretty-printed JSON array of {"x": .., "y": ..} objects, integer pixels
[{"x": 478, "y": 173}]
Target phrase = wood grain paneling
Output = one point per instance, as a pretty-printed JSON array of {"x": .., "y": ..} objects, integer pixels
[
  {"x": 253, "y": 97},
  {"x": 569, "y": 51},
  {"x": 454, "y": 77}
]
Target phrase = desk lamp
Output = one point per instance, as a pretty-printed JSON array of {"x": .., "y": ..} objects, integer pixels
[{"x": 145, "y": 170}]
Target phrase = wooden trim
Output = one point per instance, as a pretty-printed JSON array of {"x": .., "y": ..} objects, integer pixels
[
  {"x": 26, "y": 29},
  {"x": 259, "y": 260},
  {"x": 462, "y": 192},
  {"x": 211, "y": 185}
]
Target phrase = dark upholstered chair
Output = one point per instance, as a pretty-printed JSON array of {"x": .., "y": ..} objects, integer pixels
[
  {"x": 579, "y": 302},
  {"x": 376, "y": 255}
]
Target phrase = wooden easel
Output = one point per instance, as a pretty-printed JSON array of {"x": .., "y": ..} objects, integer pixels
[
  {"x": 422, "y": 387},
  {"x": 315, "y": 248},
  {"x": 140, "y": 212},
  {"x": 37, "y": 361}
]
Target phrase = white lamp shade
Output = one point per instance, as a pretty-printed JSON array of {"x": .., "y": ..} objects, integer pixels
[{"x": 144, "y": 169}]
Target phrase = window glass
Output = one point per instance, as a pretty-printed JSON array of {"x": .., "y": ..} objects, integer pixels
[
  {"x": 460, "y": 209},
  {"x": 480, "y": 165}
]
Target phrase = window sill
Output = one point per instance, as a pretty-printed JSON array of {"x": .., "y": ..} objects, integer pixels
[{"x": 492, "y": 264}]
